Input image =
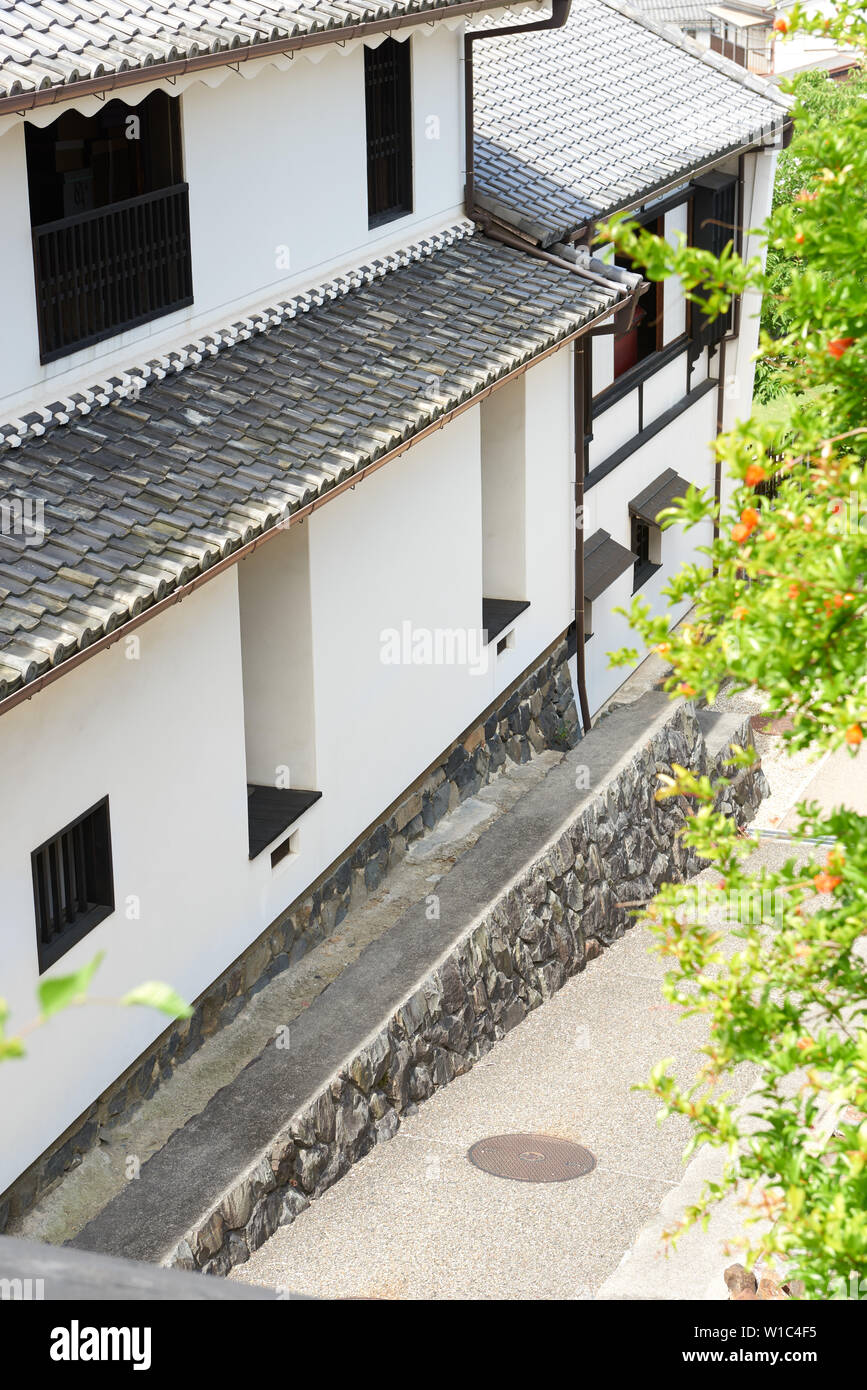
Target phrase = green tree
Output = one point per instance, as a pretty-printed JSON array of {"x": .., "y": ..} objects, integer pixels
[
  {"x": 779, "y": 606},
  {"x": 818, "y": 99}
]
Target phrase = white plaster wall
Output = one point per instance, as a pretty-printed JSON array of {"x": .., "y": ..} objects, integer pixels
[
  {"x": 613, "y": 428},
  {"x": 685, "y": 446},
  {"x": 503, "y": 445},
  {"x": 664, "y": 389},
  {"x": 602, "y": 348},
  {"x": 162, "y": 736},
  {"x": 276, "y": 163},
  {"x": 759, "y": 171},
  {"x": 277, "y": 658},
  {"x": 19, "y": 344},
  {"x": 674, "y": 303},
  {"x": 550, "y": 510}
]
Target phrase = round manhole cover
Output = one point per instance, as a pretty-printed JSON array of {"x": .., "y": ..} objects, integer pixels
[{"x": 531, "y": 1158}]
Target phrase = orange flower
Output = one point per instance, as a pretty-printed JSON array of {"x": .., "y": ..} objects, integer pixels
[
  {"x": 838, "y": 346},
  {"x": 740, "y": 612},
  {"x": 754, "y": 474},
  {"x": 781, "y": 26},
  {"x": 826, "y": 883},
  {"x": 750, "y": 517},
  {"x": 854, "y": 734},
  {"x": 769, "y": 535},
  {"x": 741, "y": 533},
  {"x": 794, "y": 591},
  {"x": 684, "y": 689},
  {"x": 799, "y": 238}
]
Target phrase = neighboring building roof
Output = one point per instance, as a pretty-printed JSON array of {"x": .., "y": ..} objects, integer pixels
[
  {"x": 685, "y": 14},
  {"x": 48, "y": 43},
  {"x": 742, "y": 19},
  {"x": 573, "y": 123},
  {"x": 143, "y": 495}
]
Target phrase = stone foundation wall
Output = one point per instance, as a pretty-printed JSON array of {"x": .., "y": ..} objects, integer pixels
[
  {"x": 559, "y": 914},
  {"x": 538, "y": 713}
]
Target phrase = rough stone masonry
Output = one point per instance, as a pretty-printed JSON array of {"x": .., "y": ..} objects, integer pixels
[{"x": 556, "y": 914}]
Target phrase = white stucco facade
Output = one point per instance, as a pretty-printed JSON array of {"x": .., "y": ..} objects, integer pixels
[
  {"x": 305, "y": 663},
  {"x": 173, "y": 722},
  {"x": 271, "y": 215}
]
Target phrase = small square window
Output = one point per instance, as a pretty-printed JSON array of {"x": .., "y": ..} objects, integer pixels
[
  {"x": 647, "y": 548},
  {"x": 73, "y": 884}
]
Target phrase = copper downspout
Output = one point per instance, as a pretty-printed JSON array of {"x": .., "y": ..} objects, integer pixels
[{"x": 578, "y": 397}]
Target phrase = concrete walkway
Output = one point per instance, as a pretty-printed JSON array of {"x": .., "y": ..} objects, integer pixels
[{"x": 415, "y": 1220}]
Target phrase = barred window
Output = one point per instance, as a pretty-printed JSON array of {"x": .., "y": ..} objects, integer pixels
[
  {"x": 73, "y": 885},
  {"x": 389, "y": 130}
]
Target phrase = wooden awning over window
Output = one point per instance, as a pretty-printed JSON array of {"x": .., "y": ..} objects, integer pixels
[
  {"x": 604, "y": 561},
  {"x": 658, "y": 495}
]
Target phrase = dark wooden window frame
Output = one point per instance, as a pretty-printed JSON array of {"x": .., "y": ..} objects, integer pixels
[
  {"x": 389, "y": 132},
  {"x": 642, "y": 540},
  {"x": 73, "y": 883},
  {"x": 110, "y": 268}
]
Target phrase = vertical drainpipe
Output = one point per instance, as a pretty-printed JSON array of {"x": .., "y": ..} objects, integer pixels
[
  {"x": 579, "y": 402},
  {"x": 557, "y": 18}
]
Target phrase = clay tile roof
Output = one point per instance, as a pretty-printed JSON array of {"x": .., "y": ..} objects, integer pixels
[
  {"x": 48, "y": 43},
  {"x": 151, "y": 479},
  {"x": 573, "y": 123}
]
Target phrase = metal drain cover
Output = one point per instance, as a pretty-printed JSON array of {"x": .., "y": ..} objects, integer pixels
[{"x": 531, "y": 1158}]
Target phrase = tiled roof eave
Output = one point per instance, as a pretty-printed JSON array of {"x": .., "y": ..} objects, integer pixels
[
  {"x": 133, "y": 521},
  {"x": 59, "y": 50}
]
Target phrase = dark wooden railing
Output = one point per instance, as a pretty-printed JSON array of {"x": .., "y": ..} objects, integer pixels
[{"x": 101, "y": 272}]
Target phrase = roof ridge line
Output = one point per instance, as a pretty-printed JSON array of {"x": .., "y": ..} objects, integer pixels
[
  {"x": 128, "y": 382},
  {"x": 676, "y": 36}
]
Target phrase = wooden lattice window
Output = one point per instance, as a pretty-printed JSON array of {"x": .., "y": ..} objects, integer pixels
[{"x": 387, "y": 84}]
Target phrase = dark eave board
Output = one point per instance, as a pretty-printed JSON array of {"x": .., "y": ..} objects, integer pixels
[
  {"x": 604, "y": 561},
  {"x": 659, "y": 494}
]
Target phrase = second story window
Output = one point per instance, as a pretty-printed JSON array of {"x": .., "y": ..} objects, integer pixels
[
  {"x": 644, "y": 336},
  {"x": 387, "y": 92},
  {"x": 110, "y": 219}
]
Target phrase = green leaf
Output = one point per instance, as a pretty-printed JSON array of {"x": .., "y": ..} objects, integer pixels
[
  {"x": 59, "y": 992},
  {"x": 153, "y": 994}
]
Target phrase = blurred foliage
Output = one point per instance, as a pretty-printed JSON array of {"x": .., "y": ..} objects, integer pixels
[{"x": 779, "y": 607}]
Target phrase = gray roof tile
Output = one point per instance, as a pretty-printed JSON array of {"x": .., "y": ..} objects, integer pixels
[
  {"x": 48, "y": 43},
  {"x": 130, "y": 517},
  {"x": 572, "y": 123}
]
